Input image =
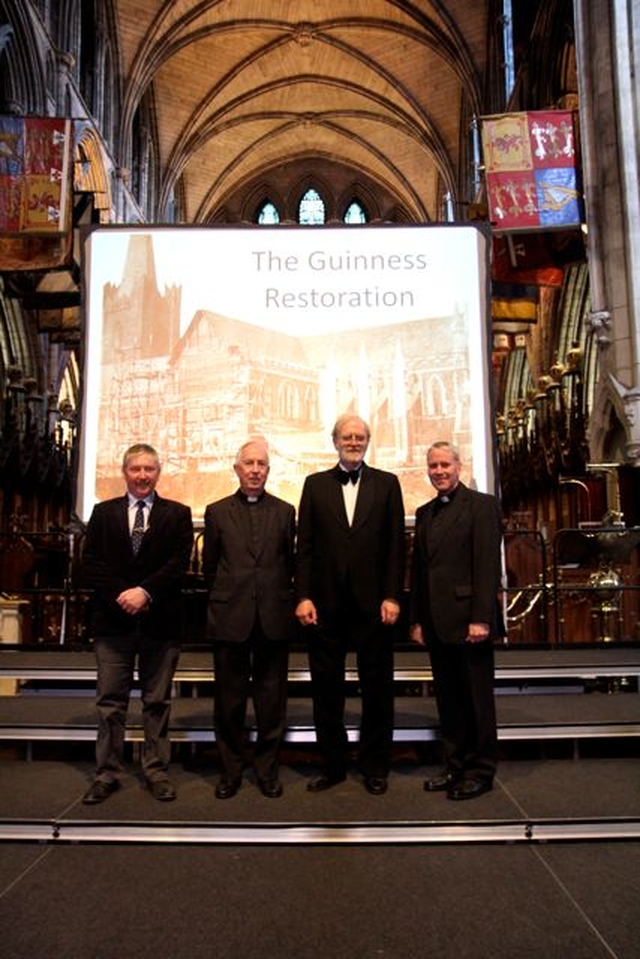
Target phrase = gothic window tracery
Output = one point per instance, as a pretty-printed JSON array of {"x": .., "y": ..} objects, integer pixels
[
  {"x": 355, "y": 213},
  {"x": 144, "y": 170},
  {"x": 311, "y": 210},
  {"x": 268, "y": 214}
]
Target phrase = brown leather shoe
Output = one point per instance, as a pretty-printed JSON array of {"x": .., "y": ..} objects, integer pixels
[
  {"x": 100, "y": 790},
  {"x": 162, "y": 790}
]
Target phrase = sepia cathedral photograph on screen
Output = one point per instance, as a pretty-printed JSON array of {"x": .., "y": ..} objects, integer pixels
[{"x": 198, "y": 385}]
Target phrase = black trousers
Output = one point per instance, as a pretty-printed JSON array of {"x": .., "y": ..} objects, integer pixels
[
  {"x": 373, "y": 644},
  {"x": 116, "y": 658},
  {"x": 464, "y": 685},
  {"x": 257, "y": 667}
]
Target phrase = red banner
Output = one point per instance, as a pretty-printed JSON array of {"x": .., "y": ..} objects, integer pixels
[
  {"x": 527, "y": 259},
  {"x": 35, "y": 175},
  {"x": 531, "y": 170}
]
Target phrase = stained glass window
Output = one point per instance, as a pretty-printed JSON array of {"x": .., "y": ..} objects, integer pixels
[{"x": 311, "y": 210}]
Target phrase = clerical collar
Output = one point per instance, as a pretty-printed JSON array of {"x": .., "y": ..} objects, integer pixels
[
  {"x": 249, "y": 499},
  {"x": 447, "y": 497}
]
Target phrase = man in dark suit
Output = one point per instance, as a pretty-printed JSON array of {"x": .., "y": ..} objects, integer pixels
[
  {"x": 454, "y": 610},
  {"x": 248, "y": 554},
  {"x": 349, "y": 579},
  {"x": 136, "y": 553}
]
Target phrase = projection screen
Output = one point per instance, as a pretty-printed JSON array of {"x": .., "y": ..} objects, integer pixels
[{"x": 198, "y": 339}]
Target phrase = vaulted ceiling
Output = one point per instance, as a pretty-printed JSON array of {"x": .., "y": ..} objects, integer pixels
[{"x": 384, "y": 88}]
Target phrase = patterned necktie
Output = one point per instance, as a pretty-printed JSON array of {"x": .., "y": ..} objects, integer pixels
[{"x": 138, "y": 527}]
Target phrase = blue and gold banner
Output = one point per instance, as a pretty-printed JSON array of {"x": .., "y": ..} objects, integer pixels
[{"x": 531, "y": 170}]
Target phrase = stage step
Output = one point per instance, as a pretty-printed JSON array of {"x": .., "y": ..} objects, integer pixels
[
  {"x": 513, "y": 664},
  {"x": 521, "y": 716},
  {"x": 552, "y": 693}
]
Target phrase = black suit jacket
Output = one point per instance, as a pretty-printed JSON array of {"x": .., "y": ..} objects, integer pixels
[
  {"x": 249, "y": 573},
  {"x": 109, "y": 566},
  {"x": 456, "y": 566},
  {"x": 369, "y": 555}
]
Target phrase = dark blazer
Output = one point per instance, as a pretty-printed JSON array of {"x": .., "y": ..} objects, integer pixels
[
  {"x": 456, "y": 566},
  {"x": 369, "y": 555},
  {"x": 109, "y": 566},
  {"x": 249, "y": 573}
]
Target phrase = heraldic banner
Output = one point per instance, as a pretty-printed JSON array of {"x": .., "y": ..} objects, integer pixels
[
  {"x": 531, "y": 170},
  {"x": 35, "y": 175}
]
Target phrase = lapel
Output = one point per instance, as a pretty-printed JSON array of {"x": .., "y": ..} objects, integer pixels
[
  {"x": 441, "y": 523},
  {"x": 364, "y": 499},
  {"x": 336, "y": 497},
  {"x": 122, "y": 519},
  {"x": 364, "y": 502}
]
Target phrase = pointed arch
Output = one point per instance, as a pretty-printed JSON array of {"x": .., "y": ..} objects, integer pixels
[
  {"x": 91, "y": 175},
  {"x": 268, "y": 214},
  {"x": 312, "y": 209},
  {"x": 355, "y": 213}
]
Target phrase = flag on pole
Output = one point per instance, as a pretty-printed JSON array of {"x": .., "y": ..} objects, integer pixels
[
  {"x": 35, "y": 175},
  {"x": 531, "y": 170}
]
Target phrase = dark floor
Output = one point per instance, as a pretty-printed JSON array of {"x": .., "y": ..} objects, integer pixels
[{"x": 339, "y": 874}]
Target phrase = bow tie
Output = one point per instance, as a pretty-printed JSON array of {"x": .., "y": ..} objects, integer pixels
[{"x": 345, "y": 475}]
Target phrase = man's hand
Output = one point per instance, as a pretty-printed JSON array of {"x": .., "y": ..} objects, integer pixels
[
  {"x": 477, "y": 632},
  {"x": 133, "y": 601},
  {"x": 416, "y": 635},
  {"x": 389, "y": 612},
  {"x": 306, "y": 613}
]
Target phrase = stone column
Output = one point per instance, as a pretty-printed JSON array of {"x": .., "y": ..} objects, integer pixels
[{"x": 608, "y": 51}]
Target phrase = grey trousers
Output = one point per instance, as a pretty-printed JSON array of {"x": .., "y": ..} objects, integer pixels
[{"x": 116, "y": 658}]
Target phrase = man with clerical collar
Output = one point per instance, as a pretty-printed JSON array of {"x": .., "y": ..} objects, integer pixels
[
  {"x": 454, "y": 611},
  {"x": 349, "y": 579},
  {"x": 248, "y": 557}
]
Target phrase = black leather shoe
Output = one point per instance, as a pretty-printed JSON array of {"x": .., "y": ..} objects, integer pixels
[
  {"x": 162, "y": 790},
  {"x": 470, "y": 788},
  {"x": 446, "y": 780},
  {"x": 324, "y": 781},
  {"x": 100, "y": 790},
  {"x": 271, "y": 788},
  {"x": 227, "y": 788},
  {"x": 376, "y": 785}
]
